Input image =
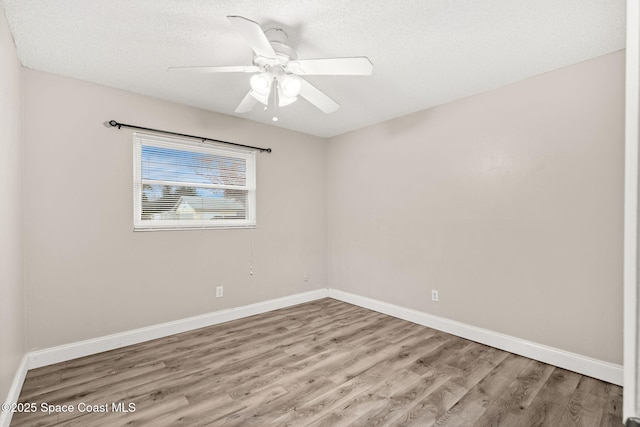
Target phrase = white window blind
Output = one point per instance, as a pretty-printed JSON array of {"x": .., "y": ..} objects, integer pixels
[{"x": 181, "y": 184}]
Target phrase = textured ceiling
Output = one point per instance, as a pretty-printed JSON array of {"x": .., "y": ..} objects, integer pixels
[{"x": 424, "y": 52}]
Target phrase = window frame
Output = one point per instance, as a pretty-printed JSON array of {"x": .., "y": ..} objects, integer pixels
[{"x": 249, "y": 156}]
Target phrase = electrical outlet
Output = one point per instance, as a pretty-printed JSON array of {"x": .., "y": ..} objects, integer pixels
[
  {"x": 434, "y": 296},
  {"x": 306, "y": 277},
  {"x": 219, "y": 291}
]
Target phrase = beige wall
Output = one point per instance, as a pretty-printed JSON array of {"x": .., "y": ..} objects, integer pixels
[
  {"x": 509, "y": 203},
  {"x": 11, "y": 282},
  {"x": 88, "y": 274}
]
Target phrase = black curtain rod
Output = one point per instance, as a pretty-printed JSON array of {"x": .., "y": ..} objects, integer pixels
[{"x": 115, "y": 124}]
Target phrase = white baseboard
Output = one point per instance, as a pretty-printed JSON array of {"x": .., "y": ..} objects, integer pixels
[
  {"x": 595, "y": 368},
  {"x": 14, "y": 391},
  {"x": 66, "y": 352},
  {"x": 574, "y": 362}
]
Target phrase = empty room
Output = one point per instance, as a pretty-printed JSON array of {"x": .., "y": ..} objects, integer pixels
[{"x": 239, "y": 213}]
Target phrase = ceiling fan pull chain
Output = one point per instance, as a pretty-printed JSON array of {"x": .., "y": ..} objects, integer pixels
[{"x": 274, "y": 97}]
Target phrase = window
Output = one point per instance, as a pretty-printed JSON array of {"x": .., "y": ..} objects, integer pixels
[{"x": 184, "y": 185}]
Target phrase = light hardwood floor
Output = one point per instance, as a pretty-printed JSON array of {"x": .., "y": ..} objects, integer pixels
[{"x": 324, "y": 363}]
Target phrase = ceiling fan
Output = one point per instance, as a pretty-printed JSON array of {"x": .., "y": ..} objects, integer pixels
[{"x": 277, "y": 80}]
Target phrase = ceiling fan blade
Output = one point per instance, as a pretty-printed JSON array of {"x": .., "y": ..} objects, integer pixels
[
  {"x": 253, "y": 34},
  {"x": 218, "y": 69},
  {"x": 317, "y": 98},
  {"x": 356, "y": 66},
  {"x": 247, "y": 103}
]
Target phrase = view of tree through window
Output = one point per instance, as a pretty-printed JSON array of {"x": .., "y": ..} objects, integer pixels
[{"x": 193, "y": 186}]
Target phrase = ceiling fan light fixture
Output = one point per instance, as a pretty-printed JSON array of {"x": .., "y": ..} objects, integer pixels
[
  {"x": 276, "y": 68},
  {"x": 290, "y": 85},
  {"x": 283, "y": 101},
  {"x": 261, "y": 84}
]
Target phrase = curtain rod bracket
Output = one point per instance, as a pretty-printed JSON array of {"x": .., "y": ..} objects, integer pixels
[{"x": 113, "y": 123}]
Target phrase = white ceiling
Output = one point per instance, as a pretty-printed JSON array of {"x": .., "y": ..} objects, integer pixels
[{"x": 424, "y": 52}]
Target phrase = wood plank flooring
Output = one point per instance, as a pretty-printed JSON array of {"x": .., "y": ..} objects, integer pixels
[{"x": 324, "y": 363}]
